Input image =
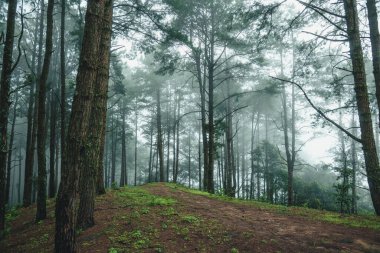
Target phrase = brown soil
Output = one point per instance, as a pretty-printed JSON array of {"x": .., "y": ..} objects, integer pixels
[
  {"x": 223, "y": 227},
  {"x": 271, "y": 232}
]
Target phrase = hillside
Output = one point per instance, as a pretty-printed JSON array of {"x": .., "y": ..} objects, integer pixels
[{"x": 170, "y": 218}]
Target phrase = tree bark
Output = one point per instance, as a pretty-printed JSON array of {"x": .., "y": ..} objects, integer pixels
[
  {"x": 123, "y": 168},
  {"x": 30, "y": 139},
  {"x": 53, "y": 125},
  {"x": 63, "y": 78},
  {"x": 375, "y": 45},
  {"x": 361, "y": 92},
  {"x": 41, "y": 130},
  {"x": 5, "y": 82},
  {"x": 10, "y": 149},
  {"x": 75, "y": 148},
  {"x": 89, "y": 166},
  {"x": 159, "y": 137}
]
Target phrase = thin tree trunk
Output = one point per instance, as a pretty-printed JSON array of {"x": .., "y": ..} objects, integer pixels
[
  {"x": 159, "y": 137},
  {"x": 150, "y": 155},
  {"x": 200, "y": 158},
  {"x": 354, "y": 158},
  {"x": 30, "y": 140},
  {"x": 19, "y": 175},
  {"x": 53, "y": 119},
  {"x": 10, "y": 148},
  {"x": 63, "y": 78},
  {"x": 123, "y": 150},
  {"x": 113, "y": 151},
  {"x": 189, "y": 158},
  {"x": 135, "y": 181},
  {"x": 177, "y": 143}
]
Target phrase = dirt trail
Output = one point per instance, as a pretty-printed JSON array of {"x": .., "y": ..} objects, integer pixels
[{"x": 254, "y": 230}]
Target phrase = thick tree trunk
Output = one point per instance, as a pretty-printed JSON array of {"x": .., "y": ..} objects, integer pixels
[
  {"x": 41, "y": 129},
  {"x": 90, "y": 164},
  {"x": 75, "y": 147},
  {"x": 211, "y": 127},
  {"x": 361, "y": 91},
  {"x": 5, "y": 82},
  {"x": 375, "y": 45}
]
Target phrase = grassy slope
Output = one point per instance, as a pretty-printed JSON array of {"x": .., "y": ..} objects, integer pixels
[
  {"x": 358, "y": 221},
  {"x": 135, "y": 220}
]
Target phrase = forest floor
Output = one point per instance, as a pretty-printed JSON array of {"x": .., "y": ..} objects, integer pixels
[{"x": 170, "y": 218}]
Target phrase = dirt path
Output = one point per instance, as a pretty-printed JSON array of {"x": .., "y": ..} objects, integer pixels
[{"x": 255, "y": 230}]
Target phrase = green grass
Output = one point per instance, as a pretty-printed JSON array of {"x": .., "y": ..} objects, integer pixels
[
  {"x": 359, "y": 221},
  {"x": 139, "y": 197}
]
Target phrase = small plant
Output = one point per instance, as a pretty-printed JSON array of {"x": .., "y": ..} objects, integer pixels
[
  {"x": 190, "y": 219},
  {"x": 112, "y": 250},
  {"x": 234, "y": 250},
  {"x": 136, "y": 234},
  {"x": 114, "y": 186}
]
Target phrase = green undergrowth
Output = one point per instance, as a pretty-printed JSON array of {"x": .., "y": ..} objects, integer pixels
[
  {"x": 359, "y": 221},
  {"x": 136, "y": 196},
  {"x": 148, "y": 220}
]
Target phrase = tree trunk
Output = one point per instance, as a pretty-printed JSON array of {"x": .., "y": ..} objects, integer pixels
[
  {"x": 41, "y": 130},
  {"x": 288, "y": 149},
  {"x": 189, "y": 158},
  {"x": 375, "y": 45},
  {"x": 19, "y": 176},
  {"x": 10, "y": 148},
  {"x": 30, "y": 140},
  {"x": 175, "y": 176},
  {"x": 53, "y": 124},
  {"x": 199, "y": 158},
  {"x": 123, "y": 169},
  {"x": 75, "y": 147},
  {"x": 113, "y": 151},
  {"x": 5, "y": 82},
  {"x": 150, "y": 154},
  {"x": 361, "y": 91},
  {"x": 90, "y": 166},
  {"x": 159, "y": 137},
  {"x": 63, "y": 78},
  {"x": 136, "y": 118},
  {"x": 354, "y": 206}
]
